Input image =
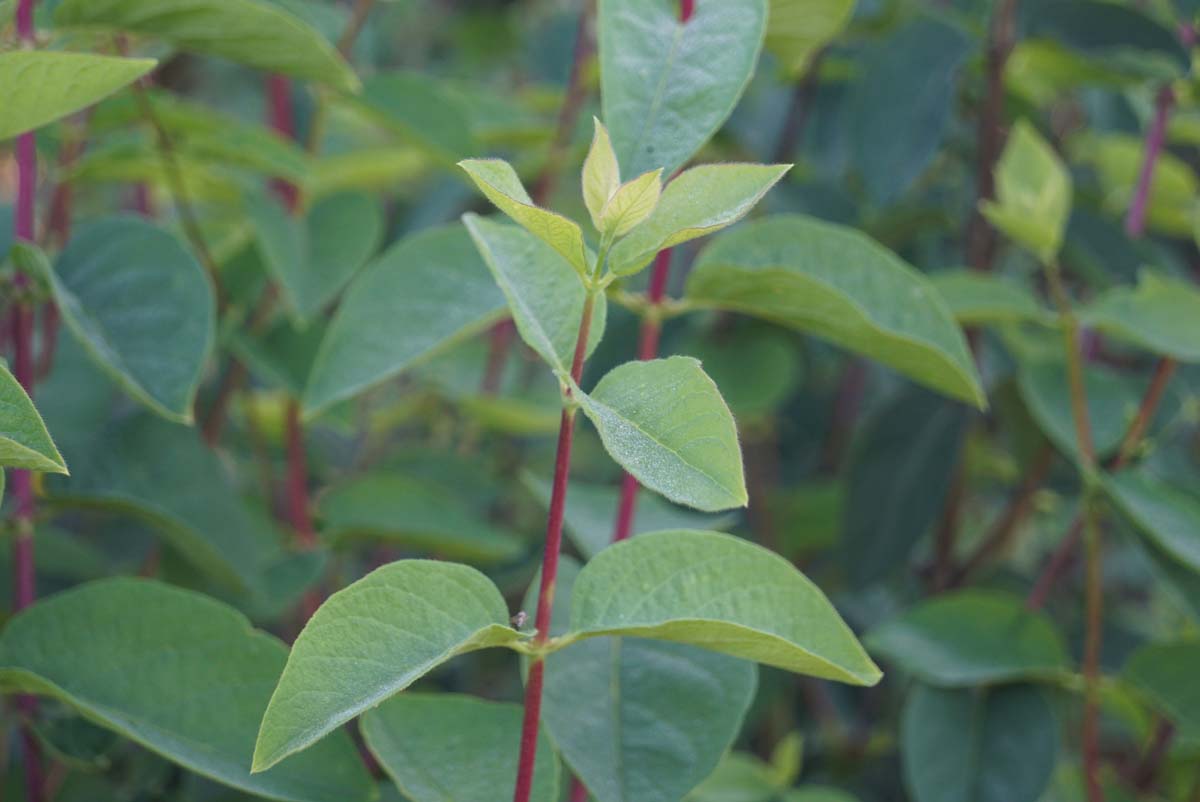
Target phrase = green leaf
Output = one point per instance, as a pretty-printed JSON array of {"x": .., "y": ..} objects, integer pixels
[
  {"x": 698, "y": 202},
  {"x": 739, "y": 778},
  {"x": 666, "y": 85},
  {"x": 665, "y": 422},
  {"x": 995, "y": 745},
  {"x": 722, "y": 593},
  {"x": 1165, "y": 673},
  {"x": 797, "y": 29},
  {"x": 499, "y": 182},
  {"x": 899, "y": 475},
  {"x": 282, "y": 356},
  {"x": 373, "y": 639},
  {"x": 545, "y": 298},
  {"x": 1033, "y": 193},
  {"x": 424, "y": 294},
  {"x": 631, "y": 204},
  {"x": 817, "y": 793},
  {"x": 838, "y": 284},
  {"x": 1161, "y": 315},
  {"x": 142, "y": 306},
  {"x": 756, "y": 366},
  {"x": 177, "y": 672},
  {"x": 24, "y": 441},
  {"x": 40, "y": 86},
  {"x": 976, "y": 298},
  {"x": 393, "y": 508},
  {"x": 256, "y": 34},
  {"x": 451, "y": 748},
  {"x": 971, "y": 637},
  {"x": 1119, "y": 37},
  {"x": 601, "y": 173},
  {"x": 901, "y": 104},
  {"x": 422, "y": 110},
  {"x": 1166, "y": 514},
  {"x": 1117, "y": 162}
]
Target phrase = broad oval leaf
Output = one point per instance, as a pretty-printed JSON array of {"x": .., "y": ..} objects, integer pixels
[
  {"x": 250, "y": 32},
  {"x": 995, "y": 745},
  {"x": 722, "y": 593},
  {"x": 40, "y": 86},
  {"x": 797, "y": 29},
  {"x": 970, "y": 638},
  {"x": 700, "y": 201},
  {"x": 178, "y": 672},
  {"x": 24, "y": 441},
  {"x": 1161, "y": 315},
  {"x": 665, "y": 422},
  {"x": 424, "y": 294},
  {"x": 668, "y": 85},
  {"x": 1166, "y": 514},
  {"x": 422, "y": 110},
  {"x": 373, "y": 639},
  {"x": 837, "y": 283},
  {"x": 976, "y": 298},
  {"x": 451, "y": 748},
  {"x": 1165, "y": 673},
  {"x": 546, "y": 299},
  {"x": 142, "y": 307}
]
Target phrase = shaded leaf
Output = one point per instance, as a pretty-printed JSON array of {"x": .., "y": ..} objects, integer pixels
[
  {"x": 1166, "y": 514},
  {"x": 422, "y": 110},
  {"x": 979, "y": 298},
  {"x": 1117, "y": 161},
  {"x": 1165, "y": 673},
  {"x": 797, "y": 29},
  {"x": 1161, "y": 315},
  {"x": 1120, "y": 37}
]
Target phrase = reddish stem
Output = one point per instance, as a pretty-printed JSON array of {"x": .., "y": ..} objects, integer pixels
[
  {"x": 297, "y": 478},
  {"x": 1135, "y": 219},
  {"x": 686, "y": 9},
  {"x": 282, "y": 119}
]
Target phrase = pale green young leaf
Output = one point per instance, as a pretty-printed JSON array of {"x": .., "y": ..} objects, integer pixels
[
  {"x": 452, "y": 748},
  {"x": 372, "y": 640},
  {"x": 722, "y": 593},
  {"x": 40, "y": 86},
  {"x": 546, "y": 299},
  {"x": 632, "y": 203},
  {"x": 498, "y": 181},
  {"x": 24, "y": 441},
  {"x": 699, "y": 201},
  {"x": 142, "y": 306},
  {"x": 1165, "y": 673},
  {"x": 665, "y": 422},
  {"x": 1161, "y": 315},
  {"x": 254, "y": 33},
  {"x": 971, "y": 637},
  {"x": 124, "y": 651},
  {"x": 1033, "y": 193},
  {"x": 601, "y": 173},
  {"x": 976, "y": 298},
  {"x": 797, "y": 29},
  {"x": 1167, "y": 514},
  {"x": 838, "y": 284}
]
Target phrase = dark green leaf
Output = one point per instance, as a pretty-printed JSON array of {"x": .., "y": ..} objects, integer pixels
[
  {"x": 1121, "y": 37},
  {"x": 1166, "y": 514},
  {"x": 1166, "y": 674},
  {"x": 422, "y": 110},
  {"x": 1161, "y": 315}
]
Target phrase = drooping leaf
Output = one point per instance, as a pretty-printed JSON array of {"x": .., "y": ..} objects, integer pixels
[
  {"x": 424, "y": 294},
  {"x": 1165, "y": 673},
  {"x": 601, "y": 173},
  {"x": 976, "y": 298},
  {"x": 902, "y": 103},
  {"x": 898, "y": 479},
  {"x": 422, "y": 110},
  {"x": 837, "y": 284},
  {"x": 451, "y": 748},
  {"x": 631, "y": 204},
  {"x": 393, "y": 508},
  {"x": 1161, "y": 315},
  {"x": 668, "y": 85},
  {"x": 253, "y": 33},
  {"x": 665, "y": 422},
  {"x": 373, "y": 639},
  {"x": 141, "y": 305},
  {"x": 40, "y": 86},
  {"x": 1033, "y": 193},
  {"x": 797, "y": 29},
  {"x": 722, "y": 593},
  {"x": 1168, "y": 515},
  {"x": 24, "y": 441},
  {"x": 993, "y": 745},
  {"x": 546, "y": 299},
  {"x": 700, "y": 201},
  {"x": 499, "y": 182},
  {"x": 178, "y": 672},
  {"x": 971, "y": 637}
]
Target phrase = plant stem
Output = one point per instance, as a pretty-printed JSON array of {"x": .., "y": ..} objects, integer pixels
[
  {"x": 1145, "y": 414},
  {"x": 797, "y": 113},
  {"x": 554, "y": 521},
  {"x": 358, "y": 18},
  {"x": 1070, "y": 332},
  {"x": 1135, "y": 218}
]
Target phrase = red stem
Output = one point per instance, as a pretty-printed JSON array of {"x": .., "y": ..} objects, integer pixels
[
  {"x": 686, "y": 9},
  {"x": 282, "y": 119},
  {"x": 1135, "y": 219},
  {"x": 297, "y": 478}
]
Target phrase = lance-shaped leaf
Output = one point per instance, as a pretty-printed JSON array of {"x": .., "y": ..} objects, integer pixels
[
  {"x": 970, "y": 638},
  {"x": 424, "y": 294},
  {"x": 632, "y": 203},
  {"x": 372, "y": 640},
  {"x": 837, "y": 283},
  {"x": 1033, "y": 193},
  {"x": 1161, "y": 315},
  {"x": 546, "y": 299},
  {"x": 668, "y": 85},
  {"x": 24, "y": 441},
  {"x": 1166, "y": 514},
  {"x": 976, "y": 298},
  {"x": 142, "y": 306},
  {"x": 499, "y": 182},
  {"x": 700, "y": 201},
  {"x": 1165, "y": 673},
  {"x": 452, "y": 748},
  {"x": 601, "y": 173},
  {"x": 797, "y": 29},
  {"x": 250, "y": 32},
  {"x": 722, "y": 593},
  {"x": 177, "y": 672},
  {"x": 665, "y": 422}
]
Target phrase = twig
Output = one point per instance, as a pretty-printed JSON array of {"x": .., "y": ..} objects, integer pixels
[
  {"x": 1135, "y": 218},
  {"x": 797, "y": 113},
  {"x": 358, "y": 18}
]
